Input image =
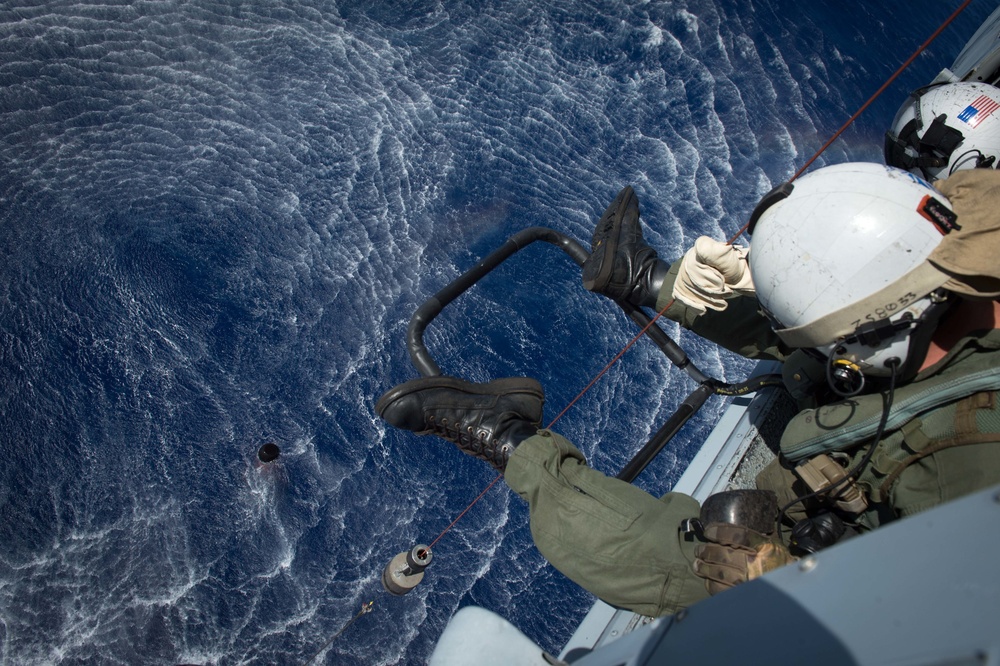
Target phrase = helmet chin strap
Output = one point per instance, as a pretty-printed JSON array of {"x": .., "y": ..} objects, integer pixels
[
  {"x": 969, "y": 315},
  {"x": 846, "y": 377},
  {"x": 923, "y": 333}
]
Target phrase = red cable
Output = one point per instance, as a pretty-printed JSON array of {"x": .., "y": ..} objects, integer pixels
[
  {"x": 871, "y": 99},
  {"x": 612, "y": 362},
  {"x": 798, "y": 173},
  {"x": 884, "y": 86},
  {"x": 471, "y": 504}
]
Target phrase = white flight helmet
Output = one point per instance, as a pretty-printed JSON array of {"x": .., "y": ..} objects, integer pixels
[
  {"x": 945, "y": 127},
  {"x": 838, "y": 261}
]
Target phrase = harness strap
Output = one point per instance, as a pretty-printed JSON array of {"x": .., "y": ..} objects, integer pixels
[
  {"x": 967, "y": 432},
  {"x": 940, "y": 445}
]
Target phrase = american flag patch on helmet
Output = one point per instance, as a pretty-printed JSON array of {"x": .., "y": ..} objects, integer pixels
[{"x": 978, "y": 111}]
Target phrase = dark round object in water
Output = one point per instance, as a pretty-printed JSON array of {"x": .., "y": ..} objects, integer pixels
[{"x": 269, "y": 452}]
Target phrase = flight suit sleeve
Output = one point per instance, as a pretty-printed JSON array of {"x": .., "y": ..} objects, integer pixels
[
  {"x": 610, "y": 537},
  {"x": 740, "y": 328}
]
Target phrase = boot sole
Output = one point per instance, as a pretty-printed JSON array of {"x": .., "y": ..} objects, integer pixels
[
  {"x": 497, "y": 387},
  {"x": 603, "y": 277}
]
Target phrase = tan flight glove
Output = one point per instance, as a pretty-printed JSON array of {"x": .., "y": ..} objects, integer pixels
[
  {"x": 711, "y": 272},
  {"x": 735, "y": 555}
]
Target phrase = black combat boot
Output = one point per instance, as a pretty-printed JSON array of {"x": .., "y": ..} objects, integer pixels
[
  {"x": 487, "y": 421},
  {"x": 621, "y": 266}
]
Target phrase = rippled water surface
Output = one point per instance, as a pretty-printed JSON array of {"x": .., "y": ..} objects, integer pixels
[{"x": 216, "y": 219}]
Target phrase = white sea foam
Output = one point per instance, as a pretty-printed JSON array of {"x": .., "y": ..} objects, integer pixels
[{"x": 219, "y": 221}]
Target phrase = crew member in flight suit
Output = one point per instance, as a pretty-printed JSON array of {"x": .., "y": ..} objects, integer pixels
[{"x": 878, "y": 293}]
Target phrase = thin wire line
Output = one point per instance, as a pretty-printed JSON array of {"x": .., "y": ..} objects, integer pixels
[
  {"x": 611, "y": 362},
  {"x": 871, "y": 99},
  {"x": 471, "y": 504},
  {"x": 885, "y": 85},
  {"x": 798, "y": 173}
]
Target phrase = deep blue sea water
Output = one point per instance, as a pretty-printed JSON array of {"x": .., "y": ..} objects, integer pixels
[{"x": 216, "y": 218}]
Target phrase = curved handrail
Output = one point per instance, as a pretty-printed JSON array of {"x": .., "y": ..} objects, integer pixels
[
  {"x": 707, "y": 386},
  {"x": 432, "y": 307}
]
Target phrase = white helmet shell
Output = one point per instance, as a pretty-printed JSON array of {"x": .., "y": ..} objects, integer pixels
[
  {"x": 944, "y": 128},
  {"x": 845, "y": 253}
]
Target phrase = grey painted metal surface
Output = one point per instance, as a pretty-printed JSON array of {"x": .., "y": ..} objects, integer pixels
[
  {"x": 923, "y": 591},
  {"x": 980, "y": 58}
]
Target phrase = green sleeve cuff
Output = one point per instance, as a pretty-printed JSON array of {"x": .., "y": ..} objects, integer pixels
[{"x": 740, "y": 328}]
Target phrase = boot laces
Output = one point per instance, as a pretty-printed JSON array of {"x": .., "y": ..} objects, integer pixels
[{"x": 480, "y": 443}]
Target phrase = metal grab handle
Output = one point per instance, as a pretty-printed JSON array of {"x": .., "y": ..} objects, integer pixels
[
  {"x": 431, "y": 308},
  {"x": 427, "y": 367}
]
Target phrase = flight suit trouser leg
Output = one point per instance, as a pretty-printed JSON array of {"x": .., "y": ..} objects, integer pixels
[{"x": 613, "y": 539}]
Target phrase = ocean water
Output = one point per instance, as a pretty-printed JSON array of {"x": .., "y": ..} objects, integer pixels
[{"x": 216, "y": 218}]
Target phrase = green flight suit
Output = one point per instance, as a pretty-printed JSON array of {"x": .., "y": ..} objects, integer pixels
[
  {"x": 623, "y": 545},
  {"x": 609, "y": 537},
  {"x": 943, "y": 440}
]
